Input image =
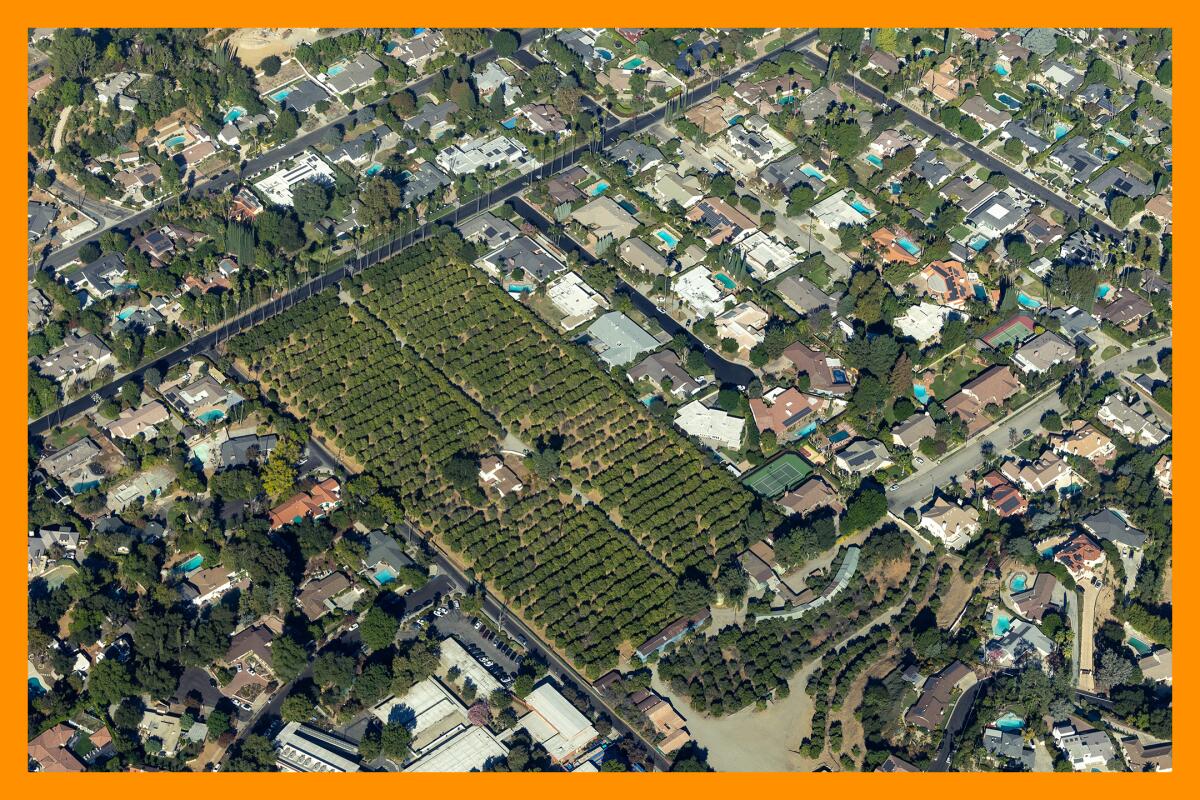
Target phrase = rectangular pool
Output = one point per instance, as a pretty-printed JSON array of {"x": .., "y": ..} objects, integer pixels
[
  {"x": 383, "y": 575},
  {"x": 598, "y": 189},
  {"x": 281, "y": 95},
  {"x": 1138, "y": 645},
  {"x": 874, "y": 159},
  {"x": 192, "y": 563},
  {"x": 1009, "y": 101},
  {"x": 725, "y": 281},
  {"x": 861, "y": 208},
  {"x": 632, "y": 63},
  {"x": 908, "y": 246},
  {"x": 667, "y": 239}
]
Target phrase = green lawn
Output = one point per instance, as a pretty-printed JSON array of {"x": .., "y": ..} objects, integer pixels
[{"x": 61, "y": 437}]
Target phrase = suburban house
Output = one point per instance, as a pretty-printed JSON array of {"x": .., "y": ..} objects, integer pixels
[
  {"x": 1124, "y": 417},
  {"x": 1019, "y": 640},
  {"x": 993, "y": 387},
  {"x": 910, "y": 432},
  {"x": 1008, "y": 746},
  {"x": 712, "y": 426},
  {"x": 826, "y": 375},
  {"x": 138, "y": 421},
  {"x": 640, "y": 255},
  {"x": 938, "y": 695},
  {"x": 635, "y": 156},
  {"x": 1048, "y": 472},
  {"x": 316, "y": 503},
  {"x": 1112, "y": 525},
  {"x": 952, "y": 523},
  {"x": 76, "y": 465},
  {"x": 864, "y": 457},
  {"x": 1127, "y": 309},
  {"x": 803, "y": 296},
  {"x": 942, "y": 81},
  {"x": 81, "y": 357},
  {"x": 1084, "y": 440},
  {"x": 1038, "y": 597},
  {"x": 1080, "y": 555},
  {"x": 604, "y": 217},
  {"x": 766, "y": 257},
  {"x": 946, "y": 283},
  {"x": 204, "y": 399},
  {"x": 1156, "y": 665},
  {"x": 665, "y": 366},
  {"x": 744, "y": 323},
  {"x": 1144, "y": 757},
  {"x": 206, "y": 585},
  {"x": 787, "y": 413},
  {"x": 618, "y": 340},
  {"x": 50, "y": 750},
  {"x": 1085, "y": 751},
  {"x": 814, "y": 493},
  {"x": 315, "y": 598},
  {"x": 1043, "y": 352},
  {"x": 495, "y": 474},
  {"x": 1001, "y": 496},
  {"x": 723, "y": 221}
]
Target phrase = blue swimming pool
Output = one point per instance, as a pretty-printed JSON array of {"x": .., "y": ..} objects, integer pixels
[
  {"x": 632, "y": 63},
  {"x": 1028, "y": 302},
  {"x": 1001, "y": 623},
  {"x": 628, "y": 206},
  {"x": 978, "y": 243},
  {"x": 83, "y": 486},
  {"x": 787, "y": 100},
  {"x": 1139, "y": 646},
  {"x": 598, "y": 188},
  {"x": 1018, "y": 582},
  {"x": 1036, "y": 87},
  {"x": 1048, "y": 552},
  {"x": 383, "y": 575},
  {"x": 735, "y": 119},
  {"x": 1008, "y": 100},
  {"x": 36, "y": 687},
  {"x": 211, "y": 416},
  {"x": 175, "y": 141},
  {"x": 813, "y": 172},
  {"x": 234, "y": 114},
  {"x": 807, "y": 429},
  {"x": 874, "y": 159},
  {"x": 921, "y": 393},
  {"x": 604, "y": 54},
  {"x": 1119, "y": 139},
  {"x": 861, "y": 208},
  {"x": 192, "y": 563},
  {"x": 725, "y": 281},
  {"x": 338, "y": 70},
  {"x": 908, "y": 246},
  {"x": 281, "y": 95},
  {"x": 509, "y": 123},
  {"x": 1061, "y": 129},
  {"x": 373, "y": 170},
  {"x": 896, "y": 187},
  {"x": 1010, "y": 722},
  {"x": 1102, "y": 291},
  {"x": 1001, "y": 70},
  {"x": 668, "y": 239},
  {"x": 126, "y": 313},
  {"x": 517, "y": 288}
]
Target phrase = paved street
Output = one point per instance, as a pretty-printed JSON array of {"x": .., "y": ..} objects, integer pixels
[{"x": 919, "y": 486}]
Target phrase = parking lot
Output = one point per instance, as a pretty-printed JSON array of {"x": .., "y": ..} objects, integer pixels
[{"x": 481, "y": 642}]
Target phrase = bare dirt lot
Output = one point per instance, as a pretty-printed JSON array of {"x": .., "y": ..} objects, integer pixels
[{"x": 252, "y": 45}]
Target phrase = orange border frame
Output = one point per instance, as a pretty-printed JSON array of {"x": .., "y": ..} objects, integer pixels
[{"x": 523, "y": 13}]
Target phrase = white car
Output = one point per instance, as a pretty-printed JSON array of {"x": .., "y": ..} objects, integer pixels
[
  {"x": 353, "y": 627},
  {"x": 918, "y": 461},
  {"x": 893, "y": 487},
  {"x": 478, "y": 624},
  {"x": 456, "y": 605}
]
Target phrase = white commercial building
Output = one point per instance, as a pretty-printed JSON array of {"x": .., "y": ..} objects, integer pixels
[
  {"x": 556, "y": 725},
  {"x": 300, "y": 748}
]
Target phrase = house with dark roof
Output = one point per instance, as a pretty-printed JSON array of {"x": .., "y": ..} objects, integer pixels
[
  {"x": 661, "y": 366},
  {"x": 1038, "y": 597},
  {"x": 526, "y": 254},
  {"x": 931, "y": 169},
  {"x": 241, "y": 451},
  {"x": 938, "y": 695},
  {"x": 1113, "y": 526},
  {"x": 1118, "y": 180},
  {"x": 826, "y": 375}
]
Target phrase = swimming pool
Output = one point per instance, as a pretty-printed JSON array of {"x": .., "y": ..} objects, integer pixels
[
  {"x": 373, "y": 170},
  {"x": 211, "y": 416},
  {"x": 1017, "y": 584},
  {"x": 861, "y": 208},
  {"x": 921, "y": 393},
  {"x": 725, "y": 281},
  {"x": 1140, "y": 647},
  {"x": 337, "y": 70},
  {"x": 1061, "y": 129},
  {"x": 1048, "y": 552},
  {"x": 126, "y": 313},
  {"x": 175, "y": 141},
  {"x": 908, "y": 246},
  {"x": 1010, "y": 722},
  {"x": 192, "y": 563},
  {"x": 667, "y": 238},
  {"x": 896, "y": 187},
  {"x": 978, "y": 243},
  {"x": 83, "y": 486},
  {"x": 604, "y": 54},
  {"x": 632, "y": 63},
  {"x": 813, "y": 172},
  {"x": 1001, "y": 623},
  {"x": 1008, "y": 100},
  {"x": 1036, "y": 87},
  {"x": 1001, "y": 70},
  {"x": 36, "y": 687},
  {"x": 628, "y": 206},
  {"x": 735, "y": 119},
  {"x": 509, "y": 123},
  {"x": 384, "y": 575},
  {"x": 807, "y": 429},
  {"x": 1028, "y": 302},
  {"x": 234, "y": 114},
  {"x": 1119, "y": 139},
  {"x": 874, "y": 159},
  {"x": 1102, "y": 291},
  {"x": 281, "y": 95},
  {"x": 517, "y": 288},
  {"x": 598, "y": 188}
]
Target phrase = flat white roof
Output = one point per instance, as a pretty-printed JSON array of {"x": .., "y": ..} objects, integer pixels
[{"x": 468, "y": 750}]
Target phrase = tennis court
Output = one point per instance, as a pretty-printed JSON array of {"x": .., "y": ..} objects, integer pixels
[{"x": 778, "y": 476}]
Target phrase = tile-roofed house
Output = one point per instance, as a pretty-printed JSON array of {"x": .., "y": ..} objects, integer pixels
[
  {"x": 314, "y": 598},
  {"x": 989, "y": 118},
  {"x": 1002, "y": 497},
  {"x": 142, "y": 420},
  {"x": 1048, "y": 471},
  {"x": 49, "y": 751},
  {"x": 942, "y": 81},
  {"x": 953, "y": 524},
  {"x": 994, "y": 386},
  {"x": 496, "y": 474},
  {"x": 1043, "y": 352},
  {"x": 863, "y": 457},
  {"x": 1084, "y": 440},
  {"x": 826, "y": 375},
  {"x": 316, "y": 502},
  {"x": 1080, "y": 555},
  {"x": 814, "y": 493},
  {"x": 786, "y": 412},
  {"x": 937, "y": 695},
  {"x": 1038, "y": 598},
  {"x": 1112, "y": 525},
  {"x": 665, "y": 365},
  {"x": 544, "y": 118},
  {"x": 744, "y": 323},
  {"x": 911, "y": 431}
]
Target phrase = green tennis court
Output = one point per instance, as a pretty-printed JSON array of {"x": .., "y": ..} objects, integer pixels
[{"x": 778, "y": 476}]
